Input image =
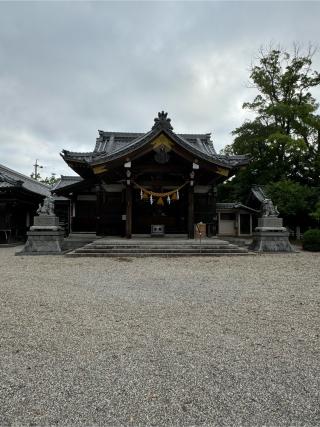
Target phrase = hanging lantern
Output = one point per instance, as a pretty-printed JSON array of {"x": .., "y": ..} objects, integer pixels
[
  {"x": 168, "y": 200},
  {"x": 141, "y": 194},
  {"x": 160, "y": 201},
  {"x": 145, "y": 196},
  {"x": 151, "y": 199},
  {"x": 174, "y": 196},
  {"x": 178, "y": 195}
]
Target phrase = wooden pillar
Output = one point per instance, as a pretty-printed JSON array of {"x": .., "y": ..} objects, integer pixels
[
  {"x": 128, "y": 211},
  {"x": 214, "y": 211},
  {"x": 72, "y": 212},
  {"x": 191, "y": 212},
  {"x": 99, "y": 210},
  {"x": 69, "y": 215}
]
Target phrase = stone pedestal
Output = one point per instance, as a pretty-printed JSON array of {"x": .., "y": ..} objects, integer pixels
[
  {"x": 44, "y": 237},
  {"x": 270, "y": 236},
  {"x": 46, "y": 221},
  {"x": 270, "y": 223}
]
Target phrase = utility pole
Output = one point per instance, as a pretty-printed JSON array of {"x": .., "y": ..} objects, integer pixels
[{"x": 36, "y": 167}]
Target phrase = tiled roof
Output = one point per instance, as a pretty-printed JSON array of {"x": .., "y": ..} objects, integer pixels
[
  {"x": 113, "y": 145},
  {"x": 109, "y": 142},
  {"x": 235, "y": 205},
  {"x": 65, "y": 181},
  {"x": 11, "y": 178},
  {"x": 259, "y": 193}
]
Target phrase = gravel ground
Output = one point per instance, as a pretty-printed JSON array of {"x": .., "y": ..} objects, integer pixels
[{"x": 220, "y": 341}]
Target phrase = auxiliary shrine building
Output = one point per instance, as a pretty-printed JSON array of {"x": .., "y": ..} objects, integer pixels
[{"x": 158, "y": 182}]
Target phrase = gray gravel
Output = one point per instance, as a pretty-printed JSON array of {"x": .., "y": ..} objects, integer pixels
[{"x": 220, "y": 341}]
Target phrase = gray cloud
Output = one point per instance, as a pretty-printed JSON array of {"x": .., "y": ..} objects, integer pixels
[{"x": 68, "y": 69}]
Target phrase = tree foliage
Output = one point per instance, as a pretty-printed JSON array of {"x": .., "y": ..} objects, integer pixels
[
  {"x": 294, "y": 201},
  {"x": 311, "y": 240},
  {"x": 315, "y": 214},
  {"x": 283, "y": 139},
  {"x": 47, "y": 180}
]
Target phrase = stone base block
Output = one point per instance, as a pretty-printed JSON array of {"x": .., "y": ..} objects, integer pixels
[
  {"x": 273, "y": 229},
  {"x": 44, "y": 241},
  {"x": 45, "y": 228},
  {"x": 46, "y": 220},
  {"x": 271, "y": 241},
  {"x": 270, "y": 222}
]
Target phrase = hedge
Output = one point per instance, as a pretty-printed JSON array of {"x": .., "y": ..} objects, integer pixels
[{"x": 311, "y": 240}]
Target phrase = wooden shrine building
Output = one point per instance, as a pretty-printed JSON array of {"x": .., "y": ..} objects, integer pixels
[
  {"x": 20, "y": 196},
  {"x": 142, "y": 183}
]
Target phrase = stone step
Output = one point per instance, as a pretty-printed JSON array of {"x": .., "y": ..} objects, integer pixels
[
  {"x": 180, "y": 236},
  {"x": 132, "y": 247},
  {"x": 78, "y": 240},
  {"x": 179, "y": 242},
  {"x": 163, "y": 248},
  {"x": 152, "y": 254},
  {"x": 162, "y": 244},
  {"x": 155, "y": 250}
]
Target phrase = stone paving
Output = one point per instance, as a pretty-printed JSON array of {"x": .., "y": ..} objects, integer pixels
[{"x": 160, "y": 341}]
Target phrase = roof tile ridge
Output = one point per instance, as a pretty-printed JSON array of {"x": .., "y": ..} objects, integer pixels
[
  {"x": 195, "y": 134},
  {"x": 77, "y": 152},
  {"x": 121, "y": 133},
  {"x": 70, "y": 176},
  {"x": 26, "y": 177},
  {"x": 134, "y": 141},
  {"x": 196, "y": 149}
]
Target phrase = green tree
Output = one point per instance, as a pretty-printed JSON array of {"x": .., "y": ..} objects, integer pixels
[
  {"x": 47, "y": 180},
  {"x": 294, "y": 201},
  {"x": 50, "y": 180},
  {"x": 283, "y": 139},
  {"x": 36, "y": 176},
  {"x": 316, "y": 213}
]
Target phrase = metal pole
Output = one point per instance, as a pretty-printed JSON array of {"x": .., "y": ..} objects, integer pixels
[{"x": 36, "y": 167}]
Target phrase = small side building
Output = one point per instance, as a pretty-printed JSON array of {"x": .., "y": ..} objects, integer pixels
[
  {"x": 236, "y": 219},
  {"x": 20, "y": 196}
]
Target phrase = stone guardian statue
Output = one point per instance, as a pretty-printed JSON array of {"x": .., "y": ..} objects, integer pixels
[
  {"x": 47, "y": 208},
  {"x": 268, "y": 208}
]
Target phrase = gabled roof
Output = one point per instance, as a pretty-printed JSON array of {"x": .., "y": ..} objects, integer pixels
[
  {"x": 65, "y": 181},
  {"x": 236, "y": 205},
  {"x": 12, "y": 179},
  {"x": 259, "y": 193},
  {"x": 110, "y": 142},
  {"x": 113, "y": 145}
]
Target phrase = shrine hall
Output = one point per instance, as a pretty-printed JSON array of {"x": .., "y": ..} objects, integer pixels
[{"x": 155, "y": 183}]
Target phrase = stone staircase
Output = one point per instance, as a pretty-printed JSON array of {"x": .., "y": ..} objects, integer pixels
[
  {"x": 77, "y": 240},
  {"x": 157, "y": 247}
]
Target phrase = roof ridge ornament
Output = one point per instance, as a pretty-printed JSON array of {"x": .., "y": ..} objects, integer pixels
[{"x": 162, "y": 121}]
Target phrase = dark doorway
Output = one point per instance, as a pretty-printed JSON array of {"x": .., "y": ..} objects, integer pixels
[
  {"x": 173, "y": 216},
  {"x": 85, "y": 218},
  {"x": 244, "y": 223}
]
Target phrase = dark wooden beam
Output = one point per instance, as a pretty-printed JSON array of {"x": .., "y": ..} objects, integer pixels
[
  {"x": 214, "y": 210},
  {"x": 99, "y": 209},
  {"x": 191, "y": 212},
  {"x": 128, "y": 211}
]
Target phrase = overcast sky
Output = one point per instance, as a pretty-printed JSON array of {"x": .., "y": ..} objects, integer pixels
[{"x": 69, "y": 69}]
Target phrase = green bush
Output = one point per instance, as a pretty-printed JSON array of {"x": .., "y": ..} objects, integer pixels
[{"x": 311, "y": 240}]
